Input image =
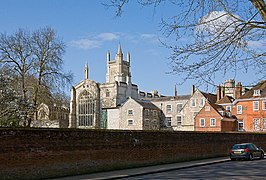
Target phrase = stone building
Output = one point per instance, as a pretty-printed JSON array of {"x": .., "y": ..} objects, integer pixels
[
  {"x": 194, "y": 105},
  {"x": 51, "y": 116},
  {"x": 135, "y": 114},
  {"x": 172, "y": 108},
  {"x": 90, "y": 100}
]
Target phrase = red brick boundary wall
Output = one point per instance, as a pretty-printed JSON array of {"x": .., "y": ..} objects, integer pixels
[{"x": 47, "y": 153}]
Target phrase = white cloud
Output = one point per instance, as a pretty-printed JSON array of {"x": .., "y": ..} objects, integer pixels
[
  {"x": 151, "y": 38},
  {"x": 217, "y": 22},
  {"x": 85, "y": 43},
  {"x": 260, "y": 43},
  {"x": 108, "y": 36},
  {"x": 148, "y": 36},
  {"x": 95, "y": 41}
]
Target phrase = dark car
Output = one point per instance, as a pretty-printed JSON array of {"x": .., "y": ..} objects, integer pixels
[{"x": 246, "y": 151}]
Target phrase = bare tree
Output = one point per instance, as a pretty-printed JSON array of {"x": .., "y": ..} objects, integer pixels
[
  {"x": 210, "y": 37},
  {"x": 47, "y": 52},
  {"x": 16, "y": 54},
  {"x": 35, "y": 60},
  {"x": 8, "y": 100}
]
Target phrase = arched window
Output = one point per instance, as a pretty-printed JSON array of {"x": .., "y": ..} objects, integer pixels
[
  {"x": 86, "y": 109},
  {"x": 107, "y": 93}
]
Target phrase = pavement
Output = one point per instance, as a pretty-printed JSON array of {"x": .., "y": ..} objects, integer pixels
[{"x": 126, "y": 173}]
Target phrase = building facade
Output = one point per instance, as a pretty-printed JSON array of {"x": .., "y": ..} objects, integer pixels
[
  {"x": 135, "y": 114},
  {"x": 172, "y": 108},
  {"x": 250, "y": 109},
  {"x": 90, "y": 99},
  {"x": 213, "y": 117},
  {"x": 51, "y": 116}
]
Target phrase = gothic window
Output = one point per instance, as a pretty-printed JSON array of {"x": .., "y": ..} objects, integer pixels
[
  {"x": 107, "y": 93},
  {"x": 42, "y": 114},
  {"x": 86, "y": 109}
]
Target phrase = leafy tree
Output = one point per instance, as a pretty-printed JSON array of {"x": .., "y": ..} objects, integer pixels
[{"x": 210, "y": 37}]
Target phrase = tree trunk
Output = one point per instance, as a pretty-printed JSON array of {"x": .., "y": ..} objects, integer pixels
[{"x": 261, "y": 7}]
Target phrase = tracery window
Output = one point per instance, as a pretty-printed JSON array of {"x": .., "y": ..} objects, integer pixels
[
  {"x": 86, "y": 109},
  {"x": 107, "y": 93}
]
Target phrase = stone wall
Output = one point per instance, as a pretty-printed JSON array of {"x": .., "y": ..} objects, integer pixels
[{"x": 47, "y": 153}]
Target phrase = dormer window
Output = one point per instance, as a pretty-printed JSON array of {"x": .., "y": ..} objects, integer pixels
[
  {"x": 222, "y": 113},
  {"x": 256, "y": 92}
]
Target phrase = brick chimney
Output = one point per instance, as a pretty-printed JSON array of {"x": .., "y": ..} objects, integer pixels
[
  {"x": 222, "y": 91},
  {"x": 238, "y": 90},
  {"x": 193, "y": 89},
  {"x": 218, "y": 93}
]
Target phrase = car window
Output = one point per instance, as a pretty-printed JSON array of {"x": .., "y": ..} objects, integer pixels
[
  {"x": 250, "y": 147},
  {"x": 238, "y": 146},
  {"x": 254, "y": 146}
]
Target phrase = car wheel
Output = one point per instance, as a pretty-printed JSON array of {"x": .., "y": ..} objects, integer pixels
[
  {"x": 250, "y": 157},
  {"x": 233, "y": 159},
  {"x": 261, "y": 156}
]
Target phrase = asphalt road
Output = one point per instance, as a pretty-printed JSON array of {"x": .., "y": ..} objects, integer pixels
[{"x": 241, "y": 169}]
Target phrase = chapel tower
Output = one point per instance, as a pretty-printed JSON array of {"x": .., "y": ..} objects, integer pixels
[{"x": 118, "y": 70}]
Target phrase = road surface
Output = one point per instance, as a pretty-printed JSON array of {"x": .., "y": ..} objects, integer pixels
[{"x": 241, "y": 169}]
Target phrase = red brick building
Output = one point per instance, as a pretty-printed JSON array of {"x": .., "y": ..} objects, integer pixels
[
  {"x": 213, "y": 117},
  {"x": 250, "y": 109}
]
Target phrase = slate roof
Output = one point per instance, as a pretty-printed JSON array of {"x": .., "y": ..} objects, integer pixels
[
  {"x": 169, "y": 98},
  {"x": 147, "y": 104}
]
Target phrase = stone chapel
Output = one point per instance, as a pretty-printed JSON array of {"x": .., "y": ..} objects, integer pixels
[{"x": 90, "y": 100}]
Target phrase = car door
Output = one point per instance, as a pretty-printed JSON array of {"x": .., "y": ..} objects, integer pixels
[{"x": 256, "y": 151}]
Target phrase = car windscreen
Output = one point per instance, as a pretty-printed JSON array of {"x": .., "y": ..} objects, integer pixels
[{"x": 239, "y": 147}]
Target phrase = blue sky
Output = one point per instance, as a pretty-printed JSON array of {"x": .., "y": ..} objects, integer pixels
[{"x": 90, "y": 30}]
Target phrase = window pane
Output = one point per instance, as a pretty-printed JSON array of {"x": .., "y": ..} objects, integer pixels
[
  {"x": 179, "y": 120},
  {"x": 202, "y": 122},
  {"x": 168, "y": 108},
  {"x": 255, "y": 105},
  {"x": 256, "y": 124},
  {"x": 86, "y": 109},
  {"x": 178, "y": 107},
  {"x": 168, "y": 121}
]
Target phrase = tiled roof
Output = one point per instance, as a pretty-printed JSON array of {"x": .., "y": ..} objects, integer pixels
[
  {"x": 211, "y": 97},
  {"x": 260, "y": 86},
  {"x": 225, "y": 100},
  {"x": 219, "y": 108}
]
